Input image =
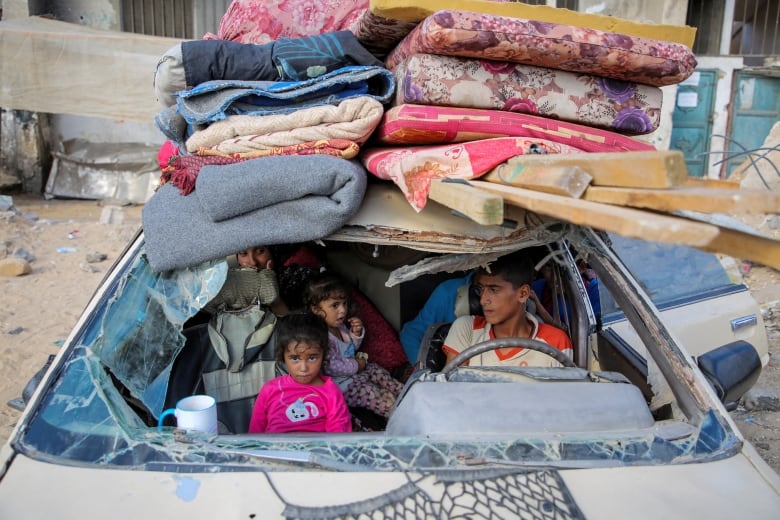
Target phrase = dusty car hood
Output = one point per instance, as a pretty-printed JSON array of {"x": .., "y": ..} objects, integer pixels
[{"x": 729, "y": 488}]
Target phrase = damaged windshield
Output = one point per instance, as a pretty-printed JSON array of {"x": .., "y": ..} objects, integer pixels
[{"x": 104, "y": 404}]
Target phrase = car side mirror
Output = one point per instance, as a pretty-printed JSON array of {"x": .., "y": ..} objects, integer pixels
[{"x": 731, "y": 370}]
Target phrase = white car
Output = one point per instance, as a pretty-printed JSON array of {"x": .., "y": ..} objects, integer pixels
[{"x": 594, "y": 439}]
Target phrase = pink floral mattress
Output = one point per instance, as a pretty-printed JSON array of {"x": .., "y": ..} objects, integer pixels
[
  {"x": 263, "y": 21},
  {"x": 556, "y": 46},
  {"x": 412, "y": 168},
  {"x": 427, "y": 124},
  {"x": 620, "y": 106}
]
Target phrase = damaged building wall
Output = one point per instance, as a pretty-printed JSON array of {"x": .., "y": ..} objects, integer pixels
[
  {"x": 24, "y": 153},
  {"x": 88, "y": 83}
]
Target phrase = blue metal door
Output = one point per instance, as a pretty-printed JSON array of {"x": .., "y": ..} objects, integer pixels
[
  {"x": 756, "y": 109},
  {"x": 692, "y": 120}
]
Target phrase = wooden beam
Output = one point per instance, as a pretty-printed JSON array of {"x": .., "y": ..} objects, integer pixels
[
  {"x": 648, "y": 169},
  {"x": 629, "y": 222},
  {"x": 747, "y": 246},
  {"x": 707, "y": 200},
  {"x": 482, "y": 208},
  {"x": 705, "y": 182},
  {"x": 568, "y": 181},
  {"x": 702, "y": 231},
  {"x": 737, "y": 239}
]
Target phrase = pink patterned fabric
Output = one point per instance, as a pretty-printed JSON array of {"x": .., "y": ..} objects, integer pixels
[
  {"x": 183, "y": 170},
  {"x": 413, "y": 168},
  {"x": 241, "y": 148},
  {"x": 426, "y": 124},
  {"x": 377, "y": 34},
  {"x": 620, "y": 106},
  {"x": 262, "y": 21},
  {"x": 551, "y": 45}
]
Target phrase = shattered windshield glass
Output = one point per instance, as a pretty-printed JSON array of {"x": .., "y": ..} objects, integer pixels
[
  {"x": 117, "y": 371},
  {"x": 140, "y": 333}
]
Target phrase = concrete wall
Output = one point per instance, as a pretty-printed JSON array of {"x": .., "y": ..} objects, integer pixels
[
  {"x": 100, "y": 14},
  {"x": 27, "y": 139}
]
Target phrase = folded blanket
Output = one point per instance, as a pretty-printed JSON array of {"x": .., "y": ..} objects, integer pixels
[
  {"x": 286, "y": 59},
  {"x": 271, "y": 200},
  {"x": 620, "y": 106},
  {"x": 215, "y": 100},
  {"x": 243, "y": 149},
  {"x": 545, "y": 44},
  {"x": 354, "y": 119},
  {"x": 193, "y": 62},
  {"x": 428, "y": 124},
  {"x": 413, "y": 168},
  {"x": 182, "y": 171}
]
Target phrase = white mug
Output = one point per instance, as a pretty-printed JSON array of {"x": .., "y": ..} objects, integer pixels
[{"x": 196, "y": 412}]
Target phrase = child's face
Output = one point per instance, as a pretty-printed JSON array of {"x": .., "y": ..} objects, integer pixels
[
  {"x": 303, "y": 361},
  {"x": 333, "y": 311},
  {"x": 500, "y": 300},
  {"x": 258, "y": 257}
]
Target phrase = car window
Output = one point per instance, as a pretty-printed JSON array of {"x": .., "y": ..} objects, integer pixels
[{"x": 671, "y": 274}]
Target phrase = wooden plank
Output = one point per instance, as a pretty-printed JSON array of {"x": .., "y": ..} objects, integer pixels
[
  {"x": 482, "y": 208},
  {"x": 629, "y": 222},
  {"x": 702, "y": 182},
  {"x": 647, "y": 169},
  {"x": 568, "y": 181},
  {"x": 707, "y": 200},
  {"x": 738, "y": 239},
  {"x": 747, "y": 246}
]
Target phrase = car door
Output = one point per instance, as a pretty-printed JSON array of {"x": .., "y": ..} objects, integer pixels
[{"x": 702, "y": 304}]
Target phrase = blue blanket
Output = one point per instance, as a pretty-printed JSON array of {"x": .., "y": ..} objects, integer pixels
[
  {"x": 214, "y": 100},
  {"x": 285, "y": 59}
]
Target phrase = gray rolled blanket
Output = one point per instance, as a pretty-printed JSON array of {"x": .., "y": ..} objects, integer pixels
[{"x": 264, "y": 201}]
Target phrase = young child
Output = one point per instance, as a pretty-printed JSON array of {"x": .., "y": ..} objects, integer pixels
[
  {"x": 364, "y": 384},
  {"x": 303, "y": 400}
]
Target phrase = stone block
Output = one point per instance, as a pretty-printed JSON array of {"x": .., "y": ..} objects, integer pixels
[{"x": 14, "y": 266}]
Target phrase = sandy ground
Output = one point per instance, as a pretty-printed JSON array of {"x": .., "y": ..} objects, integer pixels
[{"x": 39, "y": 309}]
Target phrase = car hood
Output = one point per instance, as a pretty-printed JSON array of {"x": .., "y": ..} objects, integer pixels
[{"x": 739, "y": 486}]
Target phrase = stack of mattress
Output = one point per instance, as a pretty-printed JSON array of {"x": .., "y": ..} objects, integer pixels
[{"x": 504, "y": 86}]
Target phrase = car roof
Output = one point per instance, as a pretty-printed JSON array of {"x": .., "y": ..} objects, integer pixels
[{"x": 386, "y": 218}]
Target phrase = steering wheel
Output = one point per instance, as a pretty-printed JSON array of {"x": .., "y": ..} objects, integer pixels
[{"x": 492, "y": 344}]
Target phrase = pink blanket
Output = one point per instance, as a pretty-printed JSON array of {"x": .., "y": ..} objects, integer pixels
[
  {"x": 413, "y": 168},
  {"x": 426, "y": 124}
]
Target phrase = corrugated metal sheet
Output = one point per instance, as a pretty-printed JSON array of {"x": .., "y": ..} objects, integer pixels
[
  {"x": 206, "y": 15},
  {"x": 184, "y": 19}
]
